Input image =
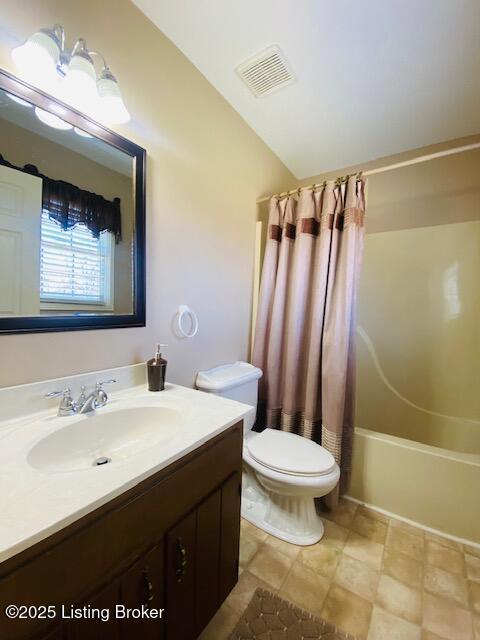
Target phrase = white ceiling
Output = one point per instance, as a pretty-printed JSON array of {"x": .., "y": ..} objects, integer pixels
[{"x": 374, "y": 77}]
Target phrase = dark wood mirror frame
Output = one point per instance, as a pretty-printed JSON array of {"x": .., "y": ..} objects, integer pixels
[{"x": 32, "y": 324}]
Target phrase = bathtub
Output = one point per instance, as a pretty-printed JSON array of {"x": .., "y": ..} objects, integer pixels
[
  {"x": 433, "y": 487},
  {"x": 423, "y": 466}
]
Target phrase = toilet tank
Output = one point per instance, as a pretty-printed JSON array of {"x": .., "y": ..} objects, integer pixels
[{"x": 236, "y": 381}]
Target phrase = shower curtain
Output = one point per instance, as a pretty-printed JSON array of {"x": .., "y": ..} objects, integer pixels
[{"x": 304, "y": 334}]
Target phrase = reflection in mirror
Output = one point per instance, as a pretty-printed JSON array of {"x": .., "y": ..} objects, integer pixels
[{"x": 66, "y": 217}]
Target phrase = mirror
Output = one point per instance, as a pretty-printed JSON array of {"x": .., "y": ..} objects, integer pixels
[{"x": 72, "y": 214}]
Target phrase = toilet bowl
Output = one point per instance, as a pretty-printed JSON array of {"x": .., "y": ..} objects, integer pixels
[
  {"x": 282, "y": 472},
  {"x": 278, "y": 496}
]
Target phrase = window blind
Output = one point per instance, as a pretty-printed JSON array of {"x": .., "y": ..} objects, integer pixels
[{"x": 73, "y": 264}]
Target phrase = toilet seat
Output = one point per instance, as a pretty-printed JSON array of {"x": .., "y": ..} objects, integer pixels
[{"x": 289, "y": 454}]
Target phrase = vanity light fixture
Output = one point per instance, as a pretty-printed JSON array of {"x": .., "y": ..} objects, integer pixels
[{"x": 71, "y": 75}]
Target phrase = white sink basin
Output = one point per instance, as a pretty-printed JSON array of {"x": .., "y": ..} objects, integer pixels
[
  {"x": 47, "y": 474},
  {"x": 113, "y": 435}
]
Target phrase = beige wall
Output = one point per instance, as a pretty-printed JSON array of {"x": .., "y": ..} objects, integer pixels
[
  {"x": 205, "y": 169},
  {"x": 20, "y": 147},
  {"x": 454, "y": 178}
]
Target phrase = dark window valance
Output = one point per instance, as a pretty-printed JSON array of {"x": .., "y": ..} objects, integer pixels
[{"x": 69, "y": 205}]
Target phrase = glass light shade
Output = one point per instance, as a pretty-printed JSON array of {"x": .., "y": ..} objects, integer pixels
[
  {"x": 18, "y": 100},
  {"x": 79, "y": 87},
  {"x": 52, "y": 120},
  {"x": 37, "y": 59},
  {"x": 111, "y": 105}
]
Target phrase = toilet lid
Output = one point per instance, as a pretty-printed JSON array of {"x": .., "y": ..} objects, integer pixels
[{"x": 290, "y": 453}]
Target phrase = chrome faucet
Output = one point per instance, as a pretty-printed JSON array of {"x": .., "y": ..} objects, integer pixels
[
  {"x": 98, "y": 398},
  {"x": 85, "y": 403}
]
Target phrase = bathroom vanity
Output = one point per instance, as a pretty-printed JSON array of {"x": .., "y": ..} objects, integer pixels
[{"x": 163, "y": 537}]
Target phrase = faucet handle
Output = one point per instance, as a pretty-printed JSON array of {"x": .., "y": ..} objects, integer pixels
[
  {"x": 67, "y": 405},
  {"x": 101, "y": 396},
  {"x": 100, "y": 384},
  {"x": 53, "y": 394}
]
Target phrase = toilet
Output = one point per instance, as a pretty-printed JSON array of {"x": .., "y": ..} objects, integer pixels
[{"x": 282, "y": 472}]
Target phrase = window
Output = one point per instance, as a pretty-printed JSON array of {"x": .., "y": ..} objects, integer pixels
[{"x": 75, "y": 267}]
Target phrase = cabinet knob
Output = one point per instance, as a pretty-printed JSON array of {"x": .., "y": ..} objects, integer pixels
[
  {"x": 148, "y": 588},
  {"x": 181, "y": 567}
]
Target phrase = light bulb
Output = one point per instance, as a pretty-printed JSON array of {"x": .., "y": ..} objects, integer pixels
[
  {"x": 37, "y": 59},
  {"x": 111, "y": 105},
  {"x": 82, "y": 133},
  {"x": 18, "y": 100},
  {"x": 52, "y": 120},
  {"x": 79, "y": 85}
]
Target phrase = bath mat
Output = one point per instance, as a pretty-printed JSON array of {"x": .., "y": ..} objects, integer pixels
[{"x": 269, "y": 617}]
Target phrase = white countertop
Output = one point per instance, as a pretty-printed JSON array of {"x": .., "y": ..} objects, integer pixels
[{"x": 35, "y": 503}]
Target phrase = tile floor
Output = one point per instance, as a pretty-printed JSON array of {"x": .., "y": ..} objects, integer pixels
[{"x": 373, "y": 576}]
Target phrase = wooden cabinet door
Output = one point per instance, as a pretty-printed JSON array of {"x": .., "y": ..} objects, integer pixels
[
  {"x": 143, "y": 585},
  {"x": 230, "y": 534},
  {"x": 207, "y": 562},
  {"x": 180, "y": 584},
  {"x": 95, "y": 629},
  {"x": 56, "y": 634}
]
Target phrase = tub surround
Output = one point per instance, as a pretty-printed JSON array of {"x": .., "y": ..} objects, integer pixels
[
  {"x": 417, "y": 442},
  {"x": 417, "y": 374},
  {"x": 36, "y": 503}
]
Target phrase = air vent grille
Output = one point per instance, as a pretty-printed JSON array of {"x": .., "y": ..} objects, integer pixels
[{"x": 266, "y": 72}]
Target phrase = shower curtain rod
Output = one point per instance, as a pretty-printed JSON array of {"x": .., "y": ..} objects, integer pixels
[{"x": 388, "y": 167}]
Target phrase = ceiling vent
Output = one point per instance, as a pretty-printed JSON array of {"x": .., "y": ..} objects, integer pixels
[{"x": 266, "y": 72}]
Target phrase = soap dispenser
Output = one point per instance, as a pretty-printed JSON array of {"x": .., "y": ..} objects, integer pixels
[{"x": 156, "y": 370}]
